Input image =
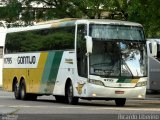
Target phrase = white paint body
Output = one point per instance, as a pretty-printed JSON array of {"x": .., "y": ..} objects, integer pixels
[{"x": 2, "y": 41}]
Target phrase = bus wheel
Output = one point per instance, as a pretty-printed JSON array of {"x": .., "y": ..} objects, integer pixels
[
  {"x": 69, "y": 94},
  {"x": 23, "y": 94},
  {"x": 16, "y": 91},
  {"x": 120, "y": 102}
]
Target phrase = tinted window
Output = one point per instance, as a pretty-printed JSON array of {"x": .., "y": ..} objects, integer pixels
[
  {"x": 40, "y": 40},
  {"x": 81, "y": 51}
]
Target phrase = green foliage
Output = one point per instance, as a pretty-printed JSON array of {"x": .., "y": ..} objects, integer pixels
[
  {"x": 146, "y": 12},
  {"x": 11, "y": 12}
]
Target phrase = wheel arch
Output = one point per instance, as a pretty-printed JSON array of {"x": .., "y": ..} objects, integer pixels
[
  {"x": 70, "y": 94},
  {"x": 15, "y": 80},
  {"x": 66, "y": 84},
  {"x": 21, "y": 80}
]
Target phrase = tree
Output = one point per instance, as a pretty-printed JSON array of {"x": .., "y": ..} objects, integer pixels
[
  {"x": 145, "y": 12},
  {"x": 11, "y": 12}
]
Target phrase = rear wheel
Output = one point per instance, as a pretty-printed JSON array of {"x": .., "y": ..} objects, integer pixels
[
  {"x": 69, "y": 94},
  {"x": 120, "y": 102},
  {"x": 16, "y": 91},
  {"x": 23, "y": 94}
]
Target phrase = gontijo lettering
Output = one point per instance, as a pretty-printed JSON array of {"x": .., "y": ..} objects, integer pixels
[{"x": 26, "y": 59}]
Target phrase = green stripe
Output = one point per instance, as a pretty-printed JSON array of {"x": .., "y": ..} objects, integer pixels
[
  {"x": 50, "y": 71},
  {"x": 123, "y": 80},
  {"x": 48, "y": 66},
  {"x": 55, "y": 67}
]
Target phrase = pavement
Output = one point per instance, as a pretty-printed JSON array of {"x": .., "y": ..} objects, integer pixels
[
  {"x": 7, "y": 110},
  {"x": 4, "y": 110}
]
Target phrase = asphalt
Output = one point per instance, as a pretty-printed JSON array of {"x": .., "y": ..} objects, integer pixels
[{"x": 7, "y": 110}]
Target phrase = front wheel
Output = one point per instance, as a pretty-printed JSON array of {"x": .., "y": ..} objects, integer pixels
[
  {"x": 69, "y": 95},
  {"x": 120, "y": 102}
]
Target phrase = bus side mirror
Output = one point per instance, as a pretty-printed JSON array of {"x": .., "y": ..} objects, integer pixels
[
  {"x": 89, "y": 44},
  {"x": 154, "y": 49}
]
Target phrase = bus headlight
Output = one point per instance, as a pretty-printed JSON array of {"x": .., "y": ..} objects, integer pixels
[
  {"x": 140, "y": 84},
  {"x": 96, "y": 82}
]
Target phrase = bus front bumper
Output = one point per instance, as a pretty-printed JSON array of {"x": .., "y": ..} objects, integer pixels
[{"x": 96, "y": 91}]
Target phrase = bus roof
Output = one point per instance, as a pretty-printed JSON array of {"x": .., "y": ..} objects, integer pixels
[
  {"x": 96, "y": 21},
  {"x": 108, "y": 21},
  {"x": 154, "y": 39},
  {"x": 71, "y": 22}
]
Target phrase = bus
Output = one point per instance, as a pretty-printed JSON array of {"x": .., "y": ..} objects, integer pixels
[
  {"x": 2, "y": 40},
  {"x": 72, "y": 59},
  {"x": 153, "y": 65}
]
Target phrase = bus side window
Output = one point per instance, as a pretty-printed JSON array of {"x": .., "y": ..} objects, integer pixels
[
  {"x": 40, "y": 40},
  {"x": 81, "y": 51}
]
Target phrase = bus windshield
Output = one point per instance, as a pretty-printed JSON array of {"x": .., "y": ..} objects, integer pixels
[{"x": 119, "y": 57}]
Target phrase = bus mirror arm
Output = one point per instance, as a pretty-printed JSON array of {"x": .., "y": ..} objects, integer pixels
[
  {"x": 89, "y": 44},
  {"x": 87, "y": 54}
]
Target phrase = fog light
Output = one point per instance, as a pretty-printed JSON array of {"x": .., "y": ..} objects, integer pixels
[
  {"x": 140, "y": 96},
  {"x": 94, "y": 95}
]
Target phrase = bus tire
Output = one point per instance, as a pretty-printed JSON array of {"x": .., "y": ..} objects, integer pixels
[
  {"x": 120, "y": 102},
  {"x": 16, "y": 90},
  {"x": 23, "y": 94},
  {"x": 70, "y": 95}
]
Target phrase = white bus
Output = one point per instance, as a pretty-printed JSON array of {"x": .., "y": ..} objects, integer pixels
[
  {"x": 77, "y": 58},
  {"x": 2, "y": 40},
  {"x": 153, "y": 64}
]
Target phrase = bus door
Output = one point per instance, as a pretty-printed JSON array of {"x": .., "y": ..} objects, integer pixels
[
  {"x": 153, "y": 65},
  {"x": 81, "y": 57}
]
